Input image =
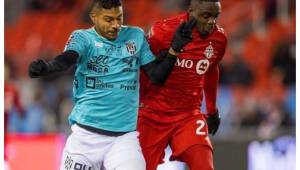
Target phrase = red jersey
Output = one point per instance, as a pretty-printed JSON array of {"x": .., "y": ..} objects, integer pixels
[{"x": 195, "y": 72}]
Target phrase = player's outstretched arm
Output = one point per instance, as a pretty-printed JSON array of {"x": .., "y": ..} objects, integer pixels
[
  {"x": 211, "y": 80},
  {"x": 60, "y": 63},
  {"x": 158, "y": 71}
]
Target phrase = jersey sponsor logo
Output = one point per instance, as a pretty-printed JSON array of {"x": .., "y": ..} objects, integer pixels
[
  {"x": 98, "y": 44},
  {"x": 95, "y": 83},
  {"x": 131, "y": 47},
  {"x": 201, "y": 66},
  {"x": 209, "y": 51},
  {"x": 110, "y": 50},
  {"x": 68, "y": 163},
  {"x": 79, "y": 166},
  {"x": 132, "y": 62},
  {"x": 90, "y": 82},
  {"x": 98, "y": 64},
  {"x": 184, "y": 63},
  {"x": 132, "y": 85},
  {"x": 127, "y": 87}
]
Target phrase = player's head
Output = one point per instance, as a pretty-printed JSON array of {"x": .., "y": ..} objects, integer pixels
[
  {"x": 107, "y": 16},
  {"x": 206, "y": 13}
]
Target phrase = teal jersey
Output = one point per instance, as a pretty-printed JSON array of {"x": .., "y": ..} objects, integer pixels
[{"x": 106, "y": 83}]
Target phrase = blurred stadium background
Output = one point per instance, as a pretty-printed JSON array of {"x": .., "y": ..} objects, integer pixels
[{"x": 256, "y": 96}]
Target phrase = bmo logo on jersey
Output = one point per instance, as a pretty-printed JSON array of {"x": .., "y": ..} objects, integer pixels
[{"x": 201, "y": 65}]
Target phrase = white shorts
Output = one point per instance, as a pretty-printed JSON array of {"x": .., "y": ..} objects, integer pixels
[{"x": 87, "y": 150}]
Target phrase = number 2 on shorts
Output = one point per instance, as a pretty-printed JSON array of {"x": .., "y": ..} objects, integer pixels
[{"x": 199, "y": 130}]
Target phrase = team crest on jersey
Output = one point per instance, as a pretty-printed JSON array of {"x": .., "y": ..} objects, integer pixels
[
  {"x": 209, "y": 51},
  {"x": 131, "y": 47}
]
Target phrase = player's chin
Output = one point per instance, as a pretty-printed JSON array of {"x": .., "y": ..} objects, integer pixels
[
  {"x": 204, "y": 33},
  {"x": 112, "y": 36}
]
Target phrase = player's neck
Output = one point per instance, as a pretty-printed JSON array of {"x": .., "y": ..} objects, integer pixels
[{"x": 100, "y": 35}]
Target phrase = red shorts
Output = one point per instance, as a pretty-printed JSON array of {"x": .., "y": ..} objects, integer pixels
[{"x": 180, "y": 135}]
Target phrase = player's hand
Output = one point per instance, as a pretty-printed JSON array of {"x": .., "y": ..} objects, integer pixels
[
  {"x": 37, "y": 68},
  {"x": 213, "y": 122},
  {"x": 183, "y": 35}
]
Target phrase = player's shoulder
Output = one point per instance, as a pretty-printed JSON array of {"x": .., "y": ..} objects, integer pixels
[
  {"x": 128, "y": 29},
  {"x": 170, "y": 23},
  {"x": 82, "y": 32},
  {"x": 220, "y": 32}
]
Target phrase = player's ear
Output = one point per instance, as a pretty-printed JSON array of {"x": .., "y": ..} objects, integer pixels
[
  {"x": 190, "y": 10},
  {"x": 93, "y": 17}
]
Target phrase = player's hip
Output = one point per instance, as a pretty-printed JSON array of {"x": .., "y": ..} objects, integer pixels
[
  {"x": 165, "y": 116},
  {"x": 96, "y": 150}
]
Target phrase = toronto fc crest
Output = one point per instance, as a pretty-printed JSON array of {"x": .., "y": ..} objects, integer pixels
[
  {"x": 209, "y": 51},
  {"x": 131, "y": 47}
]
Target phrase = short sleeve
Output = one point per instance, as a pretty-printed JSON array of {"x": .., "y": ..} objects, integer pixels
[
  {"x": 146, "y": 54},
  {"x": 77, "y": 42}
]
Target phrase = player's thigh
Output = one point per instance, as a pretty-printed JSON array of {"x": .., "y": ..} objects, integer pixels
[
  {"x": 84, "y": 149},
  {"x": 125, "y": 154},
  {"x": 190, "y": 132},
  {"x": 72, "y": 161},
  {"x": 154, "y": 139},
  {"x": 198, "y": 157}
]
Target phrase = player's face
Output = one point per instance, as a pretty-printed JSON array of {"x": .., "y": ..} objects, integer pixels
[
  {"x": 206, "y": 14},
  {"x": 108, "y": 21}
]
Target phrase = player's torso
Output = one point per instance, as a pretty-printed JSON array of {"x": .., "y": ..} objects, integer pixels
[
  {"x": 106, "y": 88},
  {"x": 183, "y": 88},
  {"x": 110, "y": 66}
]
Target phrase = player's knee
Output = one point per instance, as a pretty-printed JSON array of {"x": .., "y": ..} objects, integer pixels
[{"x": 198, "y": 157}]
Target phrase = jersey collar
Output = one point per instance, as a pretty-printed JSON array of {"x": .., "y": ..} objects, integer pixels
[{"x": 105, "y": 39}]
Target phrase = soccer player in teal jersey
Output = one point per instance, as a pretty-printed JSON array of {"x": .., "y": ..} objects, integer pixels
[{"x": 108, "y": 57}]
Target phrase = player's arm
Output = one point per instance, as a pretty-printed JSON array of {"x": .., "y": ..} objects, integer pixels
[
  {"x": 159, "y": 69},
  {"x": 76, "y": 47},
  {"x": 211, "y": 81},
  {"x": 60, "y": 63}
]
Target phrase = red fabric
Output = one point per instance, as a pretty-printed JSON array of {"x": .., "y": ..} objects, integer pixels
[
  {"x": 11, "y": 99},
  {"x": 198, "y": 157},
  {"x": 183, "y": 90},
  {"x": 211, "y": 81},
  {"x": 181, "y": 135}
]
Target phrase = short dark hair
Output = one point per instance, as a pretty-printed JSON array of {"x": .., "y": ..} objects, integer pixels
[
  {"x": 107, "y": 4},
  {"x": 204, "y": 1}
]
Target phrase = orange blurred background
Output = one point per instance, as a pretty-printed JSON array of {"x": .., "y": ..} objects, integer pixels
[{"x": 257, "y": 87}]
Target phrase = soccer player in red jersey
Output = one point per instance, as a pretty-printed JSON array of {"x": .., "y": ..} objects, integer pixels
[{"x": 170, "y": 114}]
